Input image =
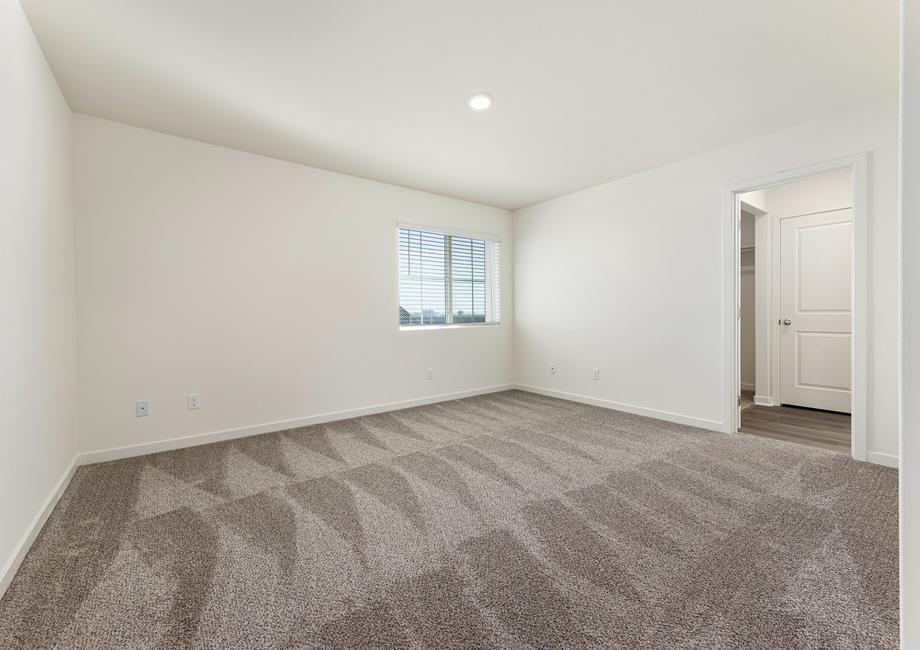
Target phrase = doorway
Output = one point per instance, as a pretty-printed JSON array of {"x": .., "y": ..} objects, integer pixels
[{"x": 798, "y": 289}]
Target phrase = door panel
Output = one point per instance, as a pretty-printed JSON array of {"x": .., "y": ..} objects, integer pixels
[
  {"x": 824, "y": 360},
  {"x": 823, "y": 267},
  {"x": 816, "y": 302}
]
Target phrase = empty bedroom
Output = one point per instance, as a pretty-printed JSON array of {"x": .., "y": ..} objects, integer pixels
[{"x": 425, "y": 324}]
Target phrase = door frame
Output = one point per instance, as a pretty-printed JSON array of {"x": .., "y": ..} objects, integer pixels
[
  {"x": 762, "y": 348},
  {"x": 858, "y": 165}
]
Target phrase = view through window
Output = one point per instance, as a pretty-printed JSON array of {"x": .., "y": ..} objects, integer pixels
[{"x": 447, "y": 279}]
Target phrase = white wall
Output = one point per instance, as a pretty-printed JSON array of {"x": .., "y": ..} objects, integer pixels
[
  {"x": 818, "y": 194},
  {"x": 37, "y": 331},
  {"x": 268, "y": 287},
  {"x": 628, "y": 276},
  {"x": 748, "y": 304},
  {"x": 910, "y": 280}
]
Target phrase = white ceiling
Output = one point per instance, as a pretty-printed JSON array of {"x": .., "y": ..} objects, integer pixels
[{"x": 586, "y": 91}]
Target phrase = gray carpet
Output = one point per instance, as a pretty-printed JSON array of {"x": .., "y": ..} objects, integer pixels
[{"x": 509, "y": 520}]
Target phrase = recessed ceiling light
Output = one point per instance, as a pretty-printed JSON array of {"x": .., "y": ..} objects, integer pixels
[{"x": 480, "y": 101}]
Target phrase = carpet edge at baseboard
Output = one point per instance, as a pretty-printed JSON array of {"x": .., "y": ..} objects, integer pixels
[
  {"x": 667, "y": 416},
  {"x": 196, "y": 439},
  {"x": 12, "y": 564}
]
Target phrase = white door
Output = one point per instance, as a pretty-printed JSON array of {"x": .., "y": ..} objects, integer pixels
[{"x": 816, "y": 308}]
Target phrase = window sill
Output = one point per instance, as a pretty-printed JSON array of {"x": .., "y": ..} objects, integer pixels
[{"x": 452, "y": 326}]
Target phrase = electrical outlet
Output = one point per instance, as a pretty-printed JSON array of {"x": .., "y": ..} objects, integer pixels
[
  {"x": 141, "y": 408},
  {"x": 430, "y": 373},
  {"x": 552, "y": 369},
  {"x": 194, "y": 401},
  {"x": 597, "y": 374}
]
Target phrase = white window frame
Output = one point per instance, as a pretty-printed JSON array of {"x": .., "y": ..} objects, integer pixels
[{"x": 490, "y": 239}]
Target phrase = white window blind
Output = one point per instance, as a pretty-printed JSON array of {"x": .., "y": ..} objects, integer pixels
[{"x": 447, "y": 279}]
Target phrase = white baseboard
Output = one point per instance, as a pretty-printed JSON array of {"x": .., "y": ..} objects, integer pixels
[
  {"x": 169, "y": 444},
  {"x": 8, "y": 572},
  {"x": 748, "y": 387},
  {"x": 763, "y": 401},
  {"x": 678, "y": 418},
  {"x": 879, "y": 458}
]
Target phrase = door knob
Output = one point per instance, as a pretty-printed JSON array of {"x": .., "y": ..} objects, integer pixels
[{"x": 787, "y": 322}]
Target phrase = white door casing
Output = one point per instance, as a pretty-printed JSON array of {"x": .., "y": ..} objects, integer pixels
[
  {"x": 858, "y": 163},
  {"x": 738, "y": 315},
  {"x": 816, "y": 309}
]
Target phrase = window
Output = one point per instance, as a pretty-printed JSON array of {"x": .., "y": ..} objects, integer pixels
[{"x": 447, "y": 279}]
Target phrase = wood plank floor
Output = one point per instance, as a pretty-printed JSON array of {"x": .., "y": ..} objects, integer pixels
[{"x": 804, "y": 426}]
